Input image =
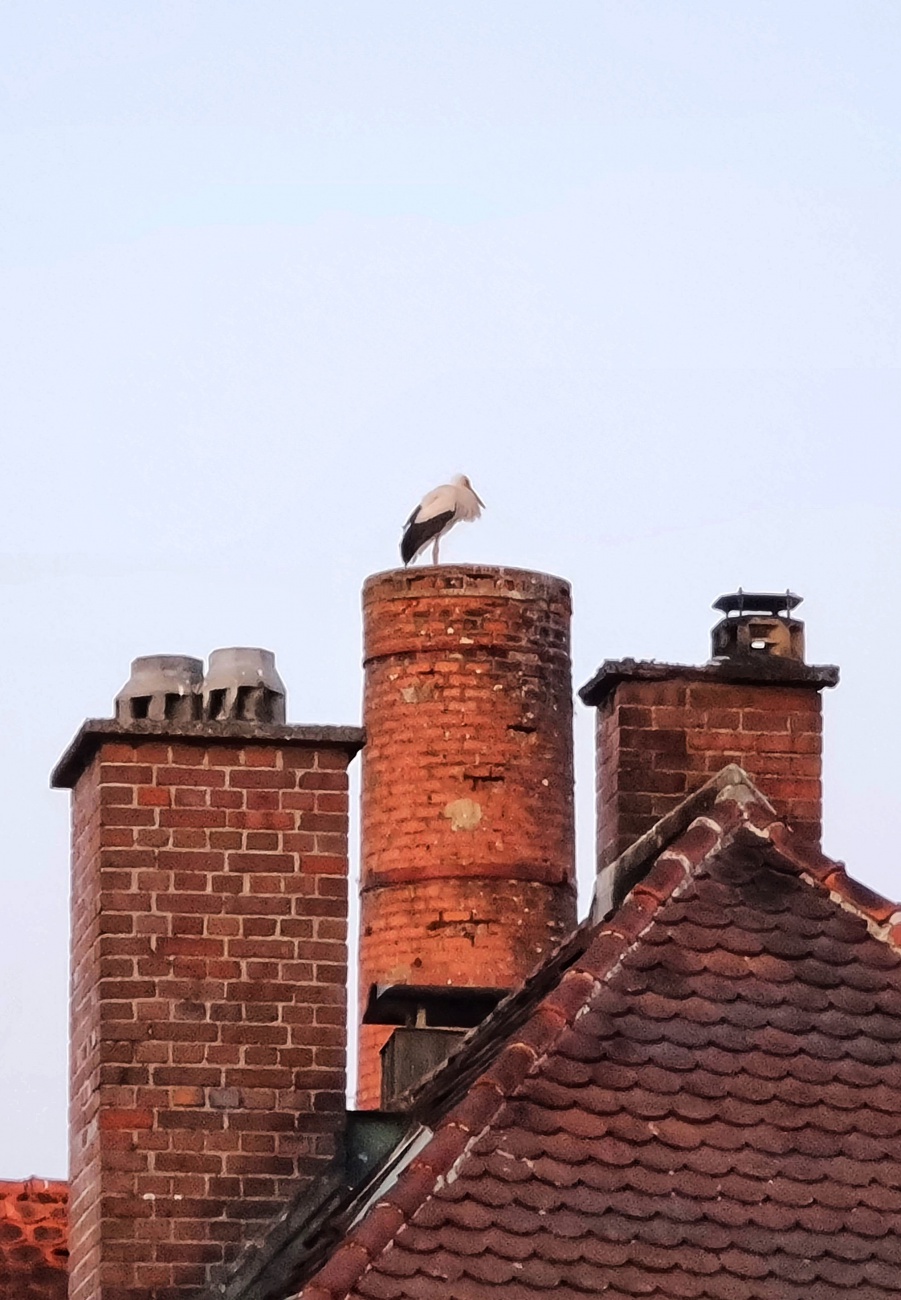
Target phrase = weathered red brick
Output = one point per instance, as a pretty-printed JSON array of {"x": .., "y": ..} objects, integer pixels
[
  {"x": 657, "y": 741},
  {"x": 159, "y": 992},
  {"x": 467, "y": 775}
]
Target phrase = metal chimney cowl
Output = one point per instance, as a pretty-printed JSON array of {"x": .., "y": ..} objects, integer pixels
[
  {"x": 161, "y": 688},
  {"x": 242, "y": 685},
  {"x": 758, "y": 623}
]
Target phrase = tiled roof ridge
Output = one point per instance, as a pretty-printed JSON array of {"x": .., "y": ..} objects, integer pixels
[
  {"x": 881, "y": 915},
  {"x": 759, "y": 820},
  {"x": 752, "y": 815},
  {"x": 731, "y": 783},
  {"x": 611, "y": 939}
]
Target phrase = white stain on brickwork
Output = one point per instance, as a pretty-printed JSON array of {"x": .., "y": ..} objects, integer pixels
[{"x": 463, "y": 814}]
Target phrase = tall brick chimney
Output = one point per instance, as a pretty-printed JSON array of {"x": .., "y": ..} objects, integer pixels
[
  {"x": 664, "y": 729},
  {"x": 467, "y": 811},
  {"x": 209, "y": 961}
]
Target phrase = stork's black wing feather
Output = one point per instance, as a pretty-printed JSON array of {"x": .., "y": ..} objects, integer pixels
[{"x": 416, "y": 535}]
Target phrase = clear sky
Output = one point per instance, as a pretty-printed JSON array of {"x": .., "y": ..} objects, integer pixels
[{"x": 270, "y": 271}]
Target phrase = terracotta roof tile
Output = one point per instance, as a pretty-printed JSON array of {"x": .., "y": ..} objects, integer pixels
[
  {"x": 33, "y": 1233},
  {"x": 701, "y": 1098}
]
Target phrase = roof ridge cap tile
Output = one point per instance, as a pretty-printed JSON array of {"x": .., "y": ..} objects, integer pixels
[
  {"x": 882, "y": 915},
  {"x": 562, "y": 956},
  {"x": 737, "y": 804},
  {"x": 46, "y": 1190},
  {"x": 462, "y": 1126},
  {"x": 758, "y": 819}
]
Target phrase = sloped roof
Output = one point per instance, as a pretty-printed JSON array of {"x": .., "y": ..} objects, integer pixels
[
  {"x": 705, "y": 1103},
  {"x": 33, "y": 1254}
]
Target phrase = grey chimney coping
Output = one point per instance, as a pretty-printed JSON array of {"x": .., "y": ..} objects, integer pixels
[
  {"x": 765, "y": 670},
  {"x": 95, "y": 731}
]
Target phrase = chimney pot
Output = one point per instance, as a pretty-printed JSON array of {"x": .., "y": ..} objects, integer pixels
[
  {"x": 242, "y": 685},
  {"x": 161, "y": 688},
  {"x": 758, "y": 623}
]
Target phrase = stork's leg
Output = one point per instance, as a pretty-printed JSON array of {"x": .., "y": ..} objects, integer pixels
[{"x": 435, "y": 549}]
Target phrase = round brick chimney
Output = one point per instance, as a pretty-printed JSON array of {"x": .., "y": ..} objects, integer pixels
[{"x": 468, "y": 873}]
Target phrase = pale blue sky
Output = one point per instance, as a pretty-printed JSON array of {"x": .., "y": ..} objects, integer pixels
[{"x": 270, "y": 271}]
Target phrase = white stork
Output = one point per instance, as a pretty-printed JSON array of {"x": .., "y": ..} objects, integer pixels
[{"x": 436, "y": 514}]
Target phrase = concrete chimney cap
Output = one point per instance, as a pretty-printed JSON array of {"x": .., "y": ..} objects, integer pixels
[
  {"x": 163, "y": 674},
  {"x": 242, "y": 666}
]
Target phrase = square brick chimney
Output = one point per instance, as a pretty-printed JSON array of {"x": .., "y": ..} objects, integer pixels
[
  {"x": 209, "y": 970},
  {"x": 664, "y": 729}
]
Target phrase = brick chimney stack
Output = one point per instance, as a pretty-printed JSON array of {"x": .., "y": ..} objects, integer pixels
[
  {"x": 467, "y": 803},
  {"x": 209, "y": 962},
  {"x": 664, "y": 729}
]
